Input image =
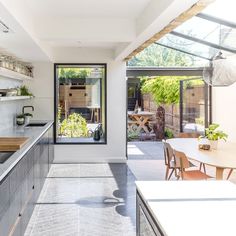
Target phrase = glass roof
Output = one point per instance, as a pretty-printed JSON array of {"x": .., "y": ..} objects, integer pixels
[
  {"x": 198, "y": 40},
  {"x": 206, "y": 34}
]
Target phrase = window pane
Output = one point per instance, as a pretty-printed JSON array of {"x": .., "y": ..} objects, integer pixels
[
  {"x": 194, "y": 106},
  {"x": 209, "y": 31},
  {"x": 188, "y": 46},
  {"x": 81, "y": 103}
]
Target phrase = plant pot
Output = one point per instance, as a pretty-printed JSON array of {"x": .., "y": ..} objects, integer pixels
[
  {"x": 27, "y": 119},
  {"x": 214, "y": 144},
  {"x": 20, "y": 121}
]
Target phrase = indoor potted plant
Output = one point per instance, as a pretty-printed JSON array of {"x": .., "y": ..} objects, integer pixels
[
  {"x": 20, "y": 119},
  {"x": 212, "y": 134}
]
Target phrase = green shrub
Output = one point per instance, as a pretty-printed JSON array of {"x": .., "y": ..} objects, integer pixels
[
  {"x": 74, "y": 126},
  {"x": 169, "y": 133}
]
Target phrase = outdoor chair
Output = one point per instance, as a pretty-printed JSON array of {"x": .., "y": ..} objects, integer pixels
[
  {"x": 170, "y": 161},
  {"x": 184, "y": 172},
  {"x": 193, "y": 135}
]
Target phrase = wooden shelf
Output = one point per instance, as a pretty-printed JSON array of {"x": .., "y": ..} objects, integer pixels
[
  {"x": 13, "y": 75},
  {"x": 13, "y": 98}
]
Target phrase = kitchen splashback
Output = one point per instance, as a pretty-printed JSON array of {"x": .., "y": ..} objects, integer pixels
[{"x": 9, "y": 109}]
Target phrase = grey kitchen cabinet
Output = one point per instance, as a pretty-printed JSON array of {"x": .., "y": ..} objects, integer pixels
[
  {"x": 145, "y": 224},
  {"x": 20, "y": 189}
]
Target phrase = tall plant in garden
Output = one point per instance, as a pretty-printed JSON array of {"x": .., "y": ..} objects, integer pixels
[
  {"x": 74, "y": 126},
  {"x": 164, "y": 90}
]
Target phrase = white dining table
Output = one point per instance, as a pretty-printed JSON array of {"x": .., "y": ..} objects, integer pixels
[{"x": 222, "y": 158}]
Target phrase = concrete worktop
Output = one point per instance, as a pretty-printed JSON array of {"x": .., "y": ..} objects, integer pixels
[{"x": 33, "y": 133}]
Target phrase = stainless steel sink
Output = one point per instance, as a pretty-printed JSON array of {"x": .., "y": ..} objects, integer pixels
[
  {"x": 5, "y": 156},
  {"x": 36, "y": 124}
]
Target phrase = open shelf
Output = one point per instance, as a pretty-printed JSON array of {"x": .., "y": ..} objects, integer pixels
[
  {"x": 13, "y": 98},
  {"x": 13, "y": 75}
]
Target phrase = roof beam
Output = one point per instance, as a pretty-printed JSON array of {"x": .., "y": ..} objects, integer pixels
[
  {"x": 163, "y": 71},
  {"x": 191, "y": 11},
  {"x": 216, "y": 20},
  {"x": 201, "y": 41}
]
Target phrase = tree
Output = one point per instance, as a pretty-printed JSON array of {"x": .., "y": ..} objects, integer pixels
[{"x": 156, "y": 55}]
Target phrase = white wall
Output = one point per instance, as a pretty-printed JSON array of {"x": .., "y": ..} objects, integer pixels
[
  {"x": 223, "y": 108},
  {"x": 42, "y": 88},
  {"x": 9, "y": 109}
]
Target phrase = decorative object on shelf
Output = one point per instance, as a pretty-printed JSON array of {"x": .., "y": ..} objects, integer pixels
[
  {"x": 20, "y": 119},
  {"x": 11, "y": 63},
  {"x": 212, "y": 134},
  {"x": 11, "y": 92},
  {"x": 24, "y": 91}
]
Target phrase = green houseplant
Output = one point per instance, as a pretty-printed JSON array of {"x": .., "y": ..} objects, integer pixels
[
  {"x": 213, "y": 135},
  {"x": 20, "y": 119}
]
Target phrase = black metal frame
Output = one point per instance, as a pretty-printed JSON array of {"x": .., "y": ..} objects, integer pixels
[
  {"x": 204, "y": 42},
  {"x": 56, "y": 103},
  {"x": 135, "y": 72},
  {"x": 207, "y": 105},
  {"x": 216, "y": 20}
]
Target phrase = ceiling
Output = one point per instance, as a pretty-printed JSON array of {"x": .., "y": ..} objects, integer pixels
[
  {"x": 117, "y": 25},
  {"x": 129, "y": 9}
]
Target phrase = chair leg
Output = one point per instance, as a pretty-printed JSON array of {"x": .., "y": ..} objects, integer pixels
[
  {"x": 204, "y": 167},
  {"x": 171, "y": 173},
  {"x": 167, "y": 173},
  {"x": 230, "y": 172}
]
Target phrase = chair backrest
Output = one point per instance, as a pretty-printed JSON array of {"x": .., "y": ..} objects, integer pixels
[
  {"x": 188, "y": 135},
  {"x": 168, "y": 152},
  {"x": 181, "y": 160}
]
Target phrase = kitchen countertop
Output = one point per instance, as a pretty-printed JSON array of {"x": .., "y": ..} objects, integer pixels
[
  {"x": 191, "y": 207},
  {"x": 33, "y": 133}
]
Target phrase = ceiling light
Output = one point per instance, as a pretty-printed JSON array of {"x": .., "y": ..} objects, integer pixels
[{"x": 4, "y": 28}]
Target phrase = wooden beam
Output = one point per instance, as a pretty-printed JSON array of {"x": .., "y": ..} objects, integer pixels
[{"x": 193, "y": 11}]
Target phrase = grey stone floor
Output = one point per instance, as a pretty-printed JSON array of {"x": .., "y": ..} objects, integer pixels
[
  {"x": 85, "y": 200},
  {"x": 149, "y": 150}
]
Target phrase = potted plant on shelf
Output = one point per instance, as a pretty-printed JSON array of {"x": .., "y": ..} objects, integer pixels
[
  {"x": 212, "y": 134},
  {"x": 20, "y": 119}
]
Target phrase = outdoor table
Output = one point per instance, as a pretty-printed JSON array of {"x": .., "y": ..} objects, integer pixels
[
  {"x": 222, "y": 158},
  {"x": 141, "y": 119}
]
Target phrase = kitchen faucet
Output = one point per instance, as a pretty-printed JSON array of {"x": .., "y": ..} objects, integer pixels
[{"x": 23, "y": 108}]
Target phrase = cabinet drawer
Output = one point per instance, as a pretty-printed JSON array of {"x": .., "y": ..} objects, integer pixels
[
  {"x": 4, "y": 196},
  {"x": 15, "y": 207}
]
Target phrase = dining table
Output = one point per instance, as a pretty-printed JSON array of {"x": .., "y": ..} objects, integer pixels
[
  {"x": 224, "y": 157},
  {"x": 141, "y": 119}
]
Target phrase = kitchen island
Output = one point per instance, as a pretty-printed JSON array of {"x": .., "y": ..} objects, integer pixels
[{"x": 186, "y": 208}]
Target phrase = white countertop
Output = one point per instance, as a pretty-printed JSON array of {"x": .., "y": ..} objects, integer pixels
[{"x": 191, "y": 208}]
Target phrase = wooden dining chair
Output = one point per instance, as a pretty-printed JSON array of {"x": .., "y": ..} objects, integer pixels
[
  {"x": 170, "y": 161},
  {"x": 193, "y": 135},
  {"x": 184, "y": 172}
]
